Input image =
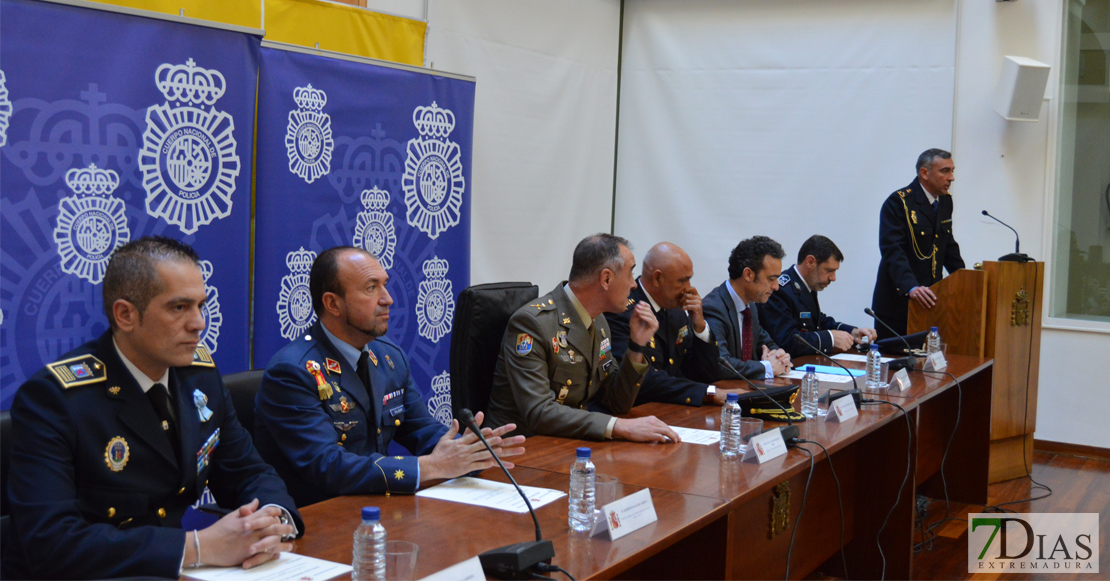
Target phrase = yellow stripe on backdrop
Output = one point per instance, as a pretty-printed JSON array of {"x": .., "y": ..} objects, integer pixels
[{"x": 336, "y": 27}]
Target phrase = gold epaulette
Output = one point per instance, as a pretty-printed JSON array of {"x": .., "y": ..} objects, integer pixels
[
  {"x": 202, "y": 358},
  {"x": 83, "y": 370}
]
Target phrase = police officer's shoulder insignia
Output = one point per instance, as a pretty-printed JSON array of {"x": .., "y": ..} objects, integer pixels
[
  {"x": 77, "y": 371},
  {"x": 333, "y": 366},
  {"x": 523, "y": 344},
  {"x": 784, "y": 279},
  {"x": 389, "y": 362},
  {"x": 202, "y": 358},
  {"x": 117, "y": 453}
]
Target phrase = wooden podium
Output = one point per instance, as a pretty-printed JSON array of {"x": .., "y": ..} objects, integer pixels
[{"x": 994, "y": 311}]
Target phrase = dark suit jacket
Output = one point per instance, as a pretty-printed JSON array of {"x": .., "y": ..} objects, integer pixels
[
  {"x": 793, "y": 309},
  {"x": 907, "y": 221},
  {"x": 682, "y": 366},
  {"x": 97, "y": 490},
  {"x": 720, "y": 313},
  {"x": 322, "y": 451}
]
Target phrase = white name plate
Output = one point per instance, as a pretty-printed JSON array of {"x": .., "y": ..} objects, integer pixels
[
  {"x": 900, "y": 381},
  {"x": 765, "y": 446},
  {"x": 842, "y": 410},
  {"x": 468, "y": 570},
  {"x": 936, "y": 362},
  {"x": 626, "y": 515}
]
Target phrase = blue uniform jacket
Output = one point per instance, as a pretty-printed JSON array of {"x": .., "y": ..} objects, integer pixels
[
  {"x": 682, "y": 366},
  {"x": 96, "y": 489},
  {"x": 794, "y": 309},
  {"x": 333, "y": 441},
  {"x": 721, "y": 316}
]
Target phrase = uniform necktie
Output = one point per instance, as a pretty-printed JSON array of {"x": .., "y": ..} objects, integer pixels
[
  {"x": 936, "y": 204},
  {"x": 363, "y": 371},
  {"x": 160, "y": 398},
  {"x": 746, "y": 334}
]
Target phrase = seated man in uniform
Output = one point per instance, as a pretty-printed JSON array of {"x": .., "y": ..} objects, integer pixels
[
  {"x": 753, "y": 274},
  {"x": 112, "y": 442},
  {"x": 683, "y": 351},
  {"x": 794, "y": 309},
  {"x": 557, "y": 359},
  {"x": 332, "y": 401}
]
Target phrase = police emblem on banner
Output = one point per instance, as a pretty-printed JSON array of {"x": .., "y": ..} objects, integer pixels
[
  {"x": 5, "y": 110},
  {"x": 91, "y": 224},
  {"x": 439, "y": 405},
  {"x": 211, "y": 311},
  {"x": 294, "y": 305},
  {"x": 435, "y": 305},
  {"x": 308, "y": 139},
  {"x": 433, "y": 180},
  {"x": 188, "y": 159},
  {"x": 374, "y": 232}
]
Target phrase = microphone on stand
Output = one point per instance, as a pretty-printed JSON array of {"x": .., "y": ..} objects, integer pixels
[
  {"x": 829, "y": 397},
  {"x": 1016, "y": 255},
  {"x": 791, "y": 432},
  {"x": 514, "y": 561},
  {"x": 907, "y": 362}
]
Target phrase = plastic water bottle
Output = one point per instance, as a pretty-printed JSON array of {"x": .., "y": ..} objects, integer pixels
[
  {"x": 810, "y": 392},
  {"x": 369, "y": 551},
  {"x": 933, "y": 341},
  {"x": 730, "y": 426},
  {"x": 874, "y": 362},
  {"x": 580, "y": 517}
]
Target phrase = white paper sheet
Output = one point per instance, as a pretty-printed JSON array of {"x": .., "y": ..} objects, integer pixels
[
  {"x": 692, "y": 436},
  {"x": 824, "y": 377},
  {"x": 859, "y": 358},
  {"x": 468, "y": 570},
  {"x": 289, "y": 567},
  {"x": 490, "y": 494}
]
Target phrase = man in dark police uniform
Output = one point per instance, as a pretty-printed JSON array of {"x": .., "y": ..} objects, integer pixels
[
  {"x": 794, "y": 308},
  {"x": 683, "y": 351},
  {"x": 916, "y": 242},
  {"x": 112, "y": 442},
  {"x": 332, "y": 400}
]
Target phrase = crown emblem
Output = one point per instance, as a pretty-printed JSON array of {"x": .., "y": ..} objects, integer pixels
[
  {"x": 189, "y": 83},
  {"x": 309, "y": 98},
  {"x": 300, "y": 261},
  {"x": 441, "y": 384},
  {"x": 91, "y": 180},
  {"x": 375, "y": 199},
  {"x": 206, "y": 269},
  {"x": 433, "y": 121},
  {"x": 435, "y": 268}
]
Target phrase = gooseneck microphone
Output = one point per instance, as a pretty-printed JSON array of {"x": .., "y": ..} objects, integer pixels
[
  {"x": 1016, "y": 255},
  {"x": 907, "y": 362},
  {"x": 829, "y": 397},
  {"x": 511, "y": 561},
  {"x": 790, "y": 433}
]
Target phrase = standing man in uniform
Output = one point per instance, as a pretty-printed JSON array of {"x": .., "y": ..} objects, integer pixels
[
  {"x": 683, "y": 351},
  {"x": 754, "y": 267},
  {"x": 332, "y": 401},
  {"x": 794, "y": 308},
  {"x": 557, "y": 375},
  {"x": 112, "y": 442},
  {"x": 915, "y": 239}
]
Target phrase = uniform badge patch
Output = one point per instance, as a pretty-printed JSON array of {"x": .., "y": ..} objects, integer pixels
[
  {"x": 81, "y": 370},
  {"x": 523, "y": 344},
  {"x": 784, "y": 279},
  {"x": 555, "y": 344},
  {"x": 117, "y": 454},
  {"x": 913, "y": 216},
  {"x": 389, "y": 362},
  {"x": 333, "y": 366},
  {"x": 201, "y": 401},
  {"x": 562, "y": 337},
  {"x": 373, "y": 358},
  {"x": 344, "y": 404},
  {"x": 345, "y": 426},
  {"x": 804, "y": 315},
  {"x": 323, "y": 388},
  {"x": 202, "y": 357},
  {"x": 682, "y": 334},
  {"x": 604, "y": 350},
  {"x": 566, "y": 320},
  {"x": 206, "y": 450}
]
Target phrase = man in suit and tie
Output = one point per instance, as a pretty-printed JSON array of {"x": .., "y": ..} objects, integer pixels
[
  {"x": 331, "y": 401},
  {"x": 916, "y": 242},
  {"x": 794, "y": 308},
  {"x": 754, "y": 268},
  {"x": 112, "y": 442},
  {"x": 683, "y": 351}
]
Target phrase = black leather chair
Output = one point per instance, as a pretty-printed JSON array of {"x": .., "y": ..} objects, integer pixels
[
  {"x": 5, "y": 462},
  {"x": 481, "y": 317},
  {"x": 243, "y": 386}
]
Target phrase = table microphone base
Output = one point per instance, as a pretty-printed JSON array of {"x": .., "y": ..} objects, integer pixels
[{"x": 515, "y": 561}]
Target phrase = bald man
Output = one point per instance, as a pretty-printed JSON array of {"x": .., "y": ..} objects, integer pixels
[{"x": 683, "y": 352}]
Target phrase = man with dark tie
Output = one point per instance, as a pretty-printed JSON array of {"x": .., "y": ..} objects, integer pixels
[
  {"x": 754, "y": 267},
  {"x": 331, "y": 401},
  {"x": 916, "y": 242}
]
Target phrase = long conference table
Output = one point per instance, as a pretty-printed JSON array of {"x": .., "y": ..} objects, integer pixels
[{"x": 724, "y": 519}]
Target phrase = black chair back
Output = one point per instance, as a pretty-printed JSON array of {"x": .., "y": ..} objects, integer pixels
[
  {"x": 481, "y": 317},
  {"x": 243, "y": 386}
]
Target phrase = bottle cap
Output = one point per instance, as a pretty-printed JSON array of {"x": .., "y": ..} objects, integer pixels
[
  {"x": 371, "y": 513},
  {"x": 932, "y": 329},
  {"x": 810, "y": 369},
  {"x": 583, "y": 453},
  {"x": 732, "y": 397},
  {"x": 874, "y": 346}
]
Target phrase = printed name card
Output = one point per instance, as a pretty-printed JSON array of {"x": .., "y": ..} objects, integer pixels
[
  {"x": 623, "y": 516},
  {"x": 765, "y": 446},
  {"x": 842, "y": 410},
  {"x": 936, "y": 362},
  {"x": 900, "y": 381}
]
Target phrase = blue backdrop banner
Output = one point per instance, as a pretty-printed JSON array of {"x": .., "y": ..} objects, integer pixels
[
  {"x": 114, "y": 127},
  {"x": 350, "y": 153}
]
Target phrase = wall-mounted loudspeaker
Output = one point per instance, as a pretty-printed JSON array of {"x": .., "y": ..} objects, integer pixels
[{"x": 1021, "y": 89}]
